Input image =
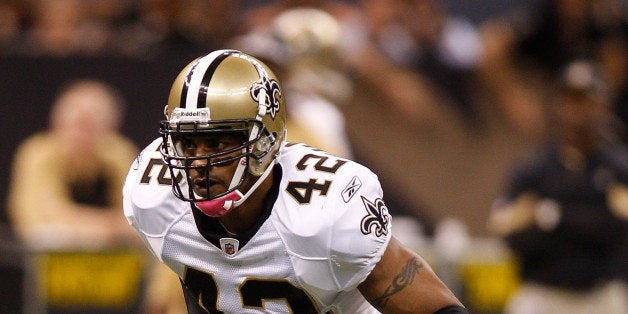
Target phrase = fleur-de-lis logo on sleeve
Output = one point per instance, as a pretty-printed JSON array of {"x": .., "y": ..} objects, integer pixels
[{"x": 377, "y": 219}]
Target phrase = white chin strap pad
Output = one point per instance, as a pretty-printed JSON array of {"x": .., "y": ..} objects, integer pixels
[{"x": 220, "y": 206}]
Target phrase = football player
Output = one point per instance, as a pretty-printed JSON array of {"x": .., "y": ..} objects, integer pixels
[{"x": 251, "y": 223}]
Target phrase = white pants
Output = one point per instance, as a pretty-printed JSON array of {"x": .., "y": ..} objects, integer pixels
[{"x": 611, "y": 298}]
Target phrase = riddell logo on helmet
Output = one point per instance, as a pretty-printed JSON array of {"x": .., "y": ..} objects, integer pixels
[{"x": 191, "y": 113}]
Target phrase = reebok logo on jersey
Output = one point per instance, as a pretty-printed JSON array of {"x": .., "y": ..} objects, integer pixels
[
  {"x": 377, "y": 219},
  {"x": 351, "y": 189}
]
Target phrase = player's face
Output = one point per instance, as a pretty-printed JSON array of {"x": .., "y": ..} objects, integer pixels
[{"x": 212, "y": 180}]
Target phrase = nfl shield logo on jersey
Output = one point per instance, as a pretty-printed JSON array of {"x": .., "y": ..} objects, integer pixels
[{"x": 229, "y": 245}]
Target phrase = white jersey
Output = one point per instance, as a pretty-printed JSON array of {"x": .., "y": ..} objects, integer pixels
[{"x": 326, "y": 229}]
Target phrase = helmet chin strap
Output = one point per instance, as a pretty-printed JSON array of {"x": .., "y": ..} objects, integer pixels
[{"x": 223, "y": 205}]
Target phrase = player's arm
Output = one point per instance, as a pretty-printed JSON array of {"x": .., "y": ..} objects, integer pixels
[{"x": 402, "y": 282}]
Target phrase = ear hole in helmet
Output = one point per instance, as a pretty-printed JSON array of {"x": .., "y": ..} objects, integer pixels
[{"x": 263, "y": 145}]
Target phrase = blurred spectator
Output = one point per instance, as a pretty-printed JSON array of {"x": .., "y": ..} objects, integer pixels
[
  {"x": 66, "y": 181},
  {"x": 59, "y": 28},
  {"x": 180, "y": 30},
  {"x": 144, "y": 29},
  {"x": 374, "y": 38},
  {"x": 528, "y": 46},
  {"x": 565, "y": 209},
  {"x": 446, "y": 49}
]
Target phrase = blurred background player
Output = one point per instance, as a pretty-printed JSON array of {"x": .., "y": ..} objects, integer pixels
[
  {"x": 528, "y": 46},
  {"x": 565, "y": 209}
]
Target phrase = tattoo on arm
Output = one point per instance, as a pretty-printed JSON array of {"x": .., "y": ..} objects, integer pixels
[{"x": 400, "y": 281}]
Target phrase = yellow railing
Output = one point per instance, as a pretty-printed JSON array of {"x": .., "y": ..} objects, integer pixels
[{"x": 106, "y": 280}]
